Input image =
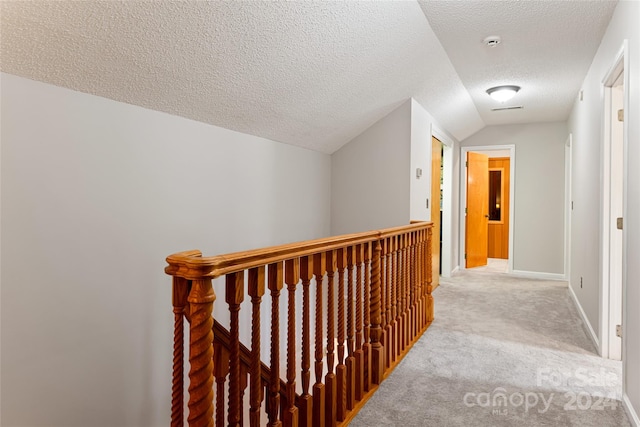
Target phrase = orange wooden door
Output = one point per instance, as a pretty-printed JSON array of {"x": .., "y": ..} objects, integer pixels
[
  {"x": 477, "y": 220},
  {"x": 436, "y": 171}
]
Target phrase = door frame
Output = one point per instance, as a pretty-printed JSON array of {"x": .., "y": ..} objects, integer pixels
[
  {"x": 463, "y": 196},
  {"x": 568, "y": 204},
  {"x": 446, "y": 256},
  {"x": 619, "y": 64}
]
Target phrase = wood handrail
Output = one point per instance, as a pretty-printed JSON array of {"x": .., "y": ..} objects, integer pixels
[{"x": 192, "y": 265}]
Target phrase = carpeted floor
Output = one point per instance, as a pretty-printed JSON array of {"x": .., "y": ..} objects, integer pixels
[{"x": 502, "y": 351}]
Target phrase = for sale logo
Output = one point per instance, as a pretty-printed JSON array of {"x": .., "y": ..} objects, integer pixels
[{"x": 580, "y": 377}]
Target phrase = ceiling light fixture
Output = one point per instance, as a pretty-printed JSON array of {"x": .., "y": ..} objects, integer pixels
[{"x": 503, "y": 93}]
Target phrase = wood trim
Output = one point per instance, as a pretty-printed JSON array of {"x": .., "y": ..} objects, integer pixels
[
  {"x": 192, "y": 265},
  {"x": 498, "y": 239}
]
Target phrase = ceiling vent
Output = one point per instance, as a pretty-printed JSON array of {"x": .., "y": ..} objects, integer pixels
[{"x": 519, "y": 107}]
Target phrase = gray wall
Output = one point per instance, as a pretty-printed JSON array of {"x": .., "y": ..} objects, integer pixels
[
  {"x": 370, "y": 176},
  {"x": 95, "y": 194},
  {"x": 586, "y": 125},
  {"x": 539, "y": 191}
]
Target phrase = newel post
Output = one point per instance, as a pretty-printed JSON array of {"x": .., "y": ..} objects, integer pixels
[
  {"x": 377, "y": 349},
  {"x": 201, "y": 300}
]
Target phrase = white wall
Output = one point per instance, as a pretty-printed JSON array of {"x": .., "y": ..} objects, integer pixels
[
  {"x": 369, "y": 176},
  {"x": 455, "y": 208},
  {"x": 586, "y": 125},
  {"x": 373, "y": 179},
  {"x": 539, "y": 191},
  {"x": 420, "y": 188},
  {"x": 423, "y": 126},
  {"x": 95, "y": 194}
]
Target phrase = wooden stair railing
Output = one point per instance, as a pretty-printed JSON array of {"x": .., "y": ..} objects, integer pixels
[
  {"x": 222, "y": 344},
  {"x": 363, "y": 325}
]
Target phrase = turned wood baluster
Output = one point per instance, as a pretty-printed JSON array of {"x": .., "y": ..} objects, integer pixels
[
  {"x": 221, "y": 356},
  {"x": 351, "y": 361},
  {"x": 330, "y": 378},
  {"x": 359, "y": 355},
  {"x": 423, "y": 276},
  {"x": 426, "y": 262},
  {"x": 425, "y": 279},
  {"x": 412, "y": 286},
  {"x": 180, "y": 294},
  {"x": 401, "y": 299},
  {"x": 393, "y": 284},
  {"x": 366, "y": 346},
  {"x": 388, "y": 326},
  {"x": 418, "y": 284},
  {"x": 201, "y": 298},
  {"x": 429, "y": 272},
  {"x": 275, "y": 284},
  {"x": 234, "y": 297},
  {"x": 384, "y": 300},
  {"x": 243, "y": 387},
  {"x": 420, "y": 255},
  {"x": 399, "y": 290},
  {"x": 341, "y": 369},
  {"x": 377, "y": 350},
  {"x": 406, "y": 281},
  {"x": 408, "y": 289},
  {"x": 291, "y": 277},
  {"x": 405, "y": 294},
  {"x": 305, "y": 401},
  {"x": 419, "y": 317},
  {"x": 256, "y": 291},
  {"x": 319, "y": 267}
]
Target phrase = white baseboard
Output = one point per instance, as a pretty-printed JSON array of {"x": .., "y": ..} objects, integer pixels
[
  {"x": 537, "y": 275},
  {"x": 455, "y": 270},
  {"x": 633, "y": 415},
  {"x": 585, "y": 320}
]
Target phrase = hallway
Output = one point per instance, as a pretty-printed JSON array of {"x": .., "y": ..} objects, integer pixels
[{"x": 501, "y": 351}]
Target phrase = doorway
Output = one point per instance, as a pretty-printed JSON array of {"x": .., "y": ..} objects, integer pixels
[
  {"x": 613, "y": 233},
  {"x": 436, "y": 210},
  {"x": 487, "y": 195},
  {"x": 477, "y": 211},
  {"x": 448, "y": 248},
  {"x": 499, "y": 184}
]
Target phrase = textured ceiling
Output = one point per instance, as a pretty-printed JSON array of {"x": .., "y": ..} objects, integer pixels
[
  {"x": 312, "y": 74},
  {"x": 546, "y": 49}
]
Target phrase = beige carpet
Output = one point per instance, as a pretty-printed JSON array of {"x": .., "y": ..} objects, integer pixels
[{"x": 502, "y": 351}]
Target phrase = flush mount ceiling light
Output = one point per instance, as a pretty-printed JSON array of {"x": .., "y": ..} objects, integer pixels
[{"x": 503, "y": 93}]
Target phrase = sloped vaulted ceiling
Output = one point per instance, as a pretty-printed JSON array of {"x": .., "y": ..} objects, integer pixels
[
  {"x": 311, "y": 74},
  {"x": 546, "y": 49}
]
